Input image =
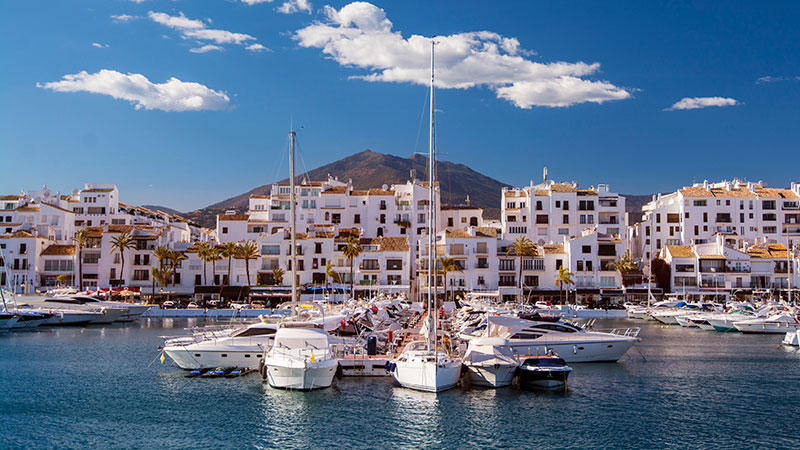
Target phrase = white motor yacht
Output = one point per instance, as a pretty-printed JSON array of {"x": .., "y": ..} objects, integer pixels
[
  {"x": 490, "y": 362},
  {"x": 776, "y": 324},
  {"x": 300, "y": 358},
  {"x": 572, "y": 343},
  {"x": 108, "y": 314},
  {"x": 134, "y": 310},
  {"x": 240, "y": 346},
  {"x": 65, "y": 317},
  {"x": 30, "y": 319}
]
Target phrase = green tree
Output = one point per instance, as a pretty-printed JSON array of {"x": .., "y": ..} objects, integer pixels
[
  {"x": 351, "y": 251},
  {"x": 161, "y": 276},
  {"x": 563, "y": 277},
  {"x": 229, "y": 250},
  {"x": 448, "y": 265},
  {"x": 247, "y": 250},
  {"x": 204, "y": 253},
  {"x": 624, "y": 265},
  {"x": 522, "y": 248},
  {"x": 175, "y": 257},
  {"x": 80, "y": 239},
  {"x": 120, "y": 243},
  {"x": 277, "y": 275},
  {"x": 215, "y": 254}
]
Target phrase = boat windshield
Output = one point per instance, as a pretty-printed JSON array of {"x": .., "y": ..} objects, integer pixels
[
  {"x": 255, "y": 331},
  {"x": 545, "y": 362}
]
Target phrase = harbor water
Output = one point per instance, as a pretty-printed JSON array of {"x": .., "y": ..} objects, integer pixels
[{"x": 103, "y": 387}]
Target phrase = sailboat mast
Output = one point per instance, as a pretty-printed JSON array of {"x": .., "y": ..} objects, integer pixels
[
  {"x": 292, "y": 224},
  {"x": 431, "y": 221}
]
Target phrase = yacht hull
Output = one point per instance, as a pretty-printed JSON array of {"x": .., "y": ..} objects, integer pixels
[
  {"x": 67, "y": 318},
  {"x": 537, "y": 378},
  {"x": 767, "y": 327},
  {"x": 426, "y": 376},
  {"x": 792, "y": 338},
  {"x": 7, "y": 321},
  {"x": 492, "y": 376},
  {"x": 367, "y": 366},
  {"x": 316, "y": 375},
  {"x": 195, "y": 357},
  {"x": 577, "y": 351}
]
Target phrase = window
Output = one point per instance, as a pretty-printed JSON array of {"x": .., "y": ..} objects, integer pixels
[
  {"x": 224, "y": 230},
  {"x": 141, "y": 275},
  {"x": 420, "y": 218},
  {"x": 769, "y": 217},
  {"x": 559, "y": 264},
  {"x": 586, "y": 249},
  {"x": 566, "y": 205},
  {"x": 558, "y": 203},
  {"x": 507, "y": 281},
  {"x": 566, "y": 219},
  {"x": 563, "y": 231},
  {"x": 538, "y": 205},
  {"x": 658, "y": 218},
  {"x": 369, "y": 264},
  {"x": 768, "y": 204},
  {"x": 23, "y": 249},
  {"x": 696, "y": 230},
  {"x": 579, "y": 266},
  {"x": 449, "y": 221},
  {"x": 91, "y": 258},
  {"x": 198, "y": 279},
  {"x": 531, "y": 280},
  {"x": 586, "y": 205},
  {"x": 507, "y": 264},
  {"x": 699, "y": 203},
  {"x": 270, "y": 249},
  {"x": 394, "y": 264},
  {"x": 394, "y": 279},
  {"x": 357, "y": 218}
]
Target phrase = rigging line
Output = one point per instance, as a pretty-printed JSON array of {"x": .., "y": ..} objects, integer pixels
[
  {"x": 302, "y": 161},
  {"x": 421, "y": 118},
  {"x": 280, "y": 165}
]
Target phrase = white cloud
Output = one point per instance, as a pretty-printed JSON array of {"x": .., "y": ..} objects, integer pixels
[
  {"x": 196, "y": 29},
  {"x": 360, "y": 35},
  {"x": 173, "y": 95},
  {"x": 701, "y": 102},
  {"x": 99, "y": 45},
  {"x": 256, "y": 2},
  {"x": 293, "y": 6},
  {"x": 122, "y": 18},
  {"x": 257, "y": 48},
  {"x": 206, "y": 48},
  {"x": 771, "y": 79}
]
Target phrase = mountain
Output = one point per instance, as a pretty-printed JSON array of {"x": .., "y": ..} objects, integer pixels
[
  {"x": 633, "y": 206},
  {"x": 368, "y": 169},
  {"x": 163, "y": 208}
]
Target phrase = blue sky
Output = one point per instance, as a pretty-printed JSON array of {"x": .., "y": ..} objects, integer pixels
[{"x": 583, "y": 88}]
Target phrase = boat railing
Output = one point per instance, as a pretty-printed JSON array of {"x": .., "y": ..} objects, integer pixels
[{"x": 627, "y": 332}]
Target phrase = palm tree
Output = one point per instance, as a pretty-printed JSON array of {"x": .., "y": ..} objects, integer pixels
[
  {"x": 330, "y": 273},
  {"x": 175, "y": 257},
  {"x": 563, "y": 278},
  {"x": 161, "y": 253},
  {"x": 448, "y": 265},
  {"x": 80, "y": 239},
  {"x": 215, "y": 254},
  {"x": 204, "y": 253},
  {"x": 229, "y": 251},
  {"x": 522, "y": 247},
  {"x": 247, "y": 251},
  {"x": 351, "y": 251},
  {"x": 160, "y": 276},
  {"x": 120, "y": 243},
  {"x": 277, "y": 274},
  {"x": 624, "y": 265}
]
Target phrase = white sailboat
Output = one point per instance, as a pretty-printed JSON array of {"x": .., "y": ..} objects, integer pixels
[
  {"x": 301, "y": 356},
  {"x": 422, "y": 365}
]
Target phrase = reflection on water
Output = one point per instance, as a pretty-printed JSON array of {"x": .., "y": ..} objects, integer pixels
[{"x": 92, "y": 388}]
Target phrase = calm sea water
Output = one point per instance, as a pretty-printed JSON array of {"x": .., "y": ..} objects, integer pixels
[{"x": 92, "y": 388}]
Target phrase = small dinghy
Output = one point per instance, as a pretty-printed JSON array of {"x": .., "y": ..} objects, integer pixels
[{"x": 544, "y": 372}]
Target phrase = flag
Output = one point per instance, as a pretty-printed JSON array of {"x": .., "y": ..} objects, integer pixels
[
  {"x": 312, "y": 357},
  {"x": 162, "y": 358}
]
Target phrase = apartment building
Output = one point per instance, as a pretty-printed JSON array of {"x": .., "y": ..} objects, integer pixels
[
  {"x": 743, "y": 213},
  {"x": 549, "y": 212}
]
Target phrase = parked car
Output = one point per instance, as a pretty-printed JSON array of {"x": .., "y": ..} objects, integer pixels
[{"x": 169, "y": 304}]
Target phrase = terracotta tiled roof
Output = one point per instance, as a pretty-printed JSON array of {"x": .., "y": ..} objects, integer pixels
[
  {"x": 10, "y": 197},
  {"x": 551, "y": 249},
  {"x": 94, "y": 231},
  {"x": 27, "y": 209},
  {"x": 770, "y": 192},
  {"x": 335, "y": 190},
  {"x": 57, "y": 207},
  {"x": 681, "y": 251},
  {"x": 17, "y": 234},
  {"x": 457, "y": 233},
  {"x": 59, "y": 250},
  {"x": 513, "y": 193},
  {"x": 380, "y": 192},
  {"x": 711, "y": 256},
  {"x": 426, "y": 184},
  {"x": 735, "y": 192},
  {"x": 232, "y": 217},
  {"x": 259, "y": 196},
  {"x": 562, "y": 187},
  {"x": 768, "y": 251},
  {"x": 695, "y": 192},
  {"x": 459, "y": 208},
  {"x": 541, "y": 192},
  {"x": 586, "y": 192},
  {"x": 98, "y": 190},
  {"x": 128, "y": 228},
  {"x": 486, "y": 231},
  {"x": 387, "y": 244},
  {"x": 359, "y": 192},
  {"x": 347, "y": 232}
]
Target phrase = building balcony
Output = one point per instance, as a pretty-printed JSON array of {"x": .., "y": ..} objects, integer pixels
[{"x": 369, "y": 268}]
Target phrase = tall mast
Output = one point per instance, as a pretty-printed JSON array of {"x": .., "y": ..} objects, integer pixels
[
  {"x": 431, "y": 222},
  {"x": 292, "y": 201}
]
